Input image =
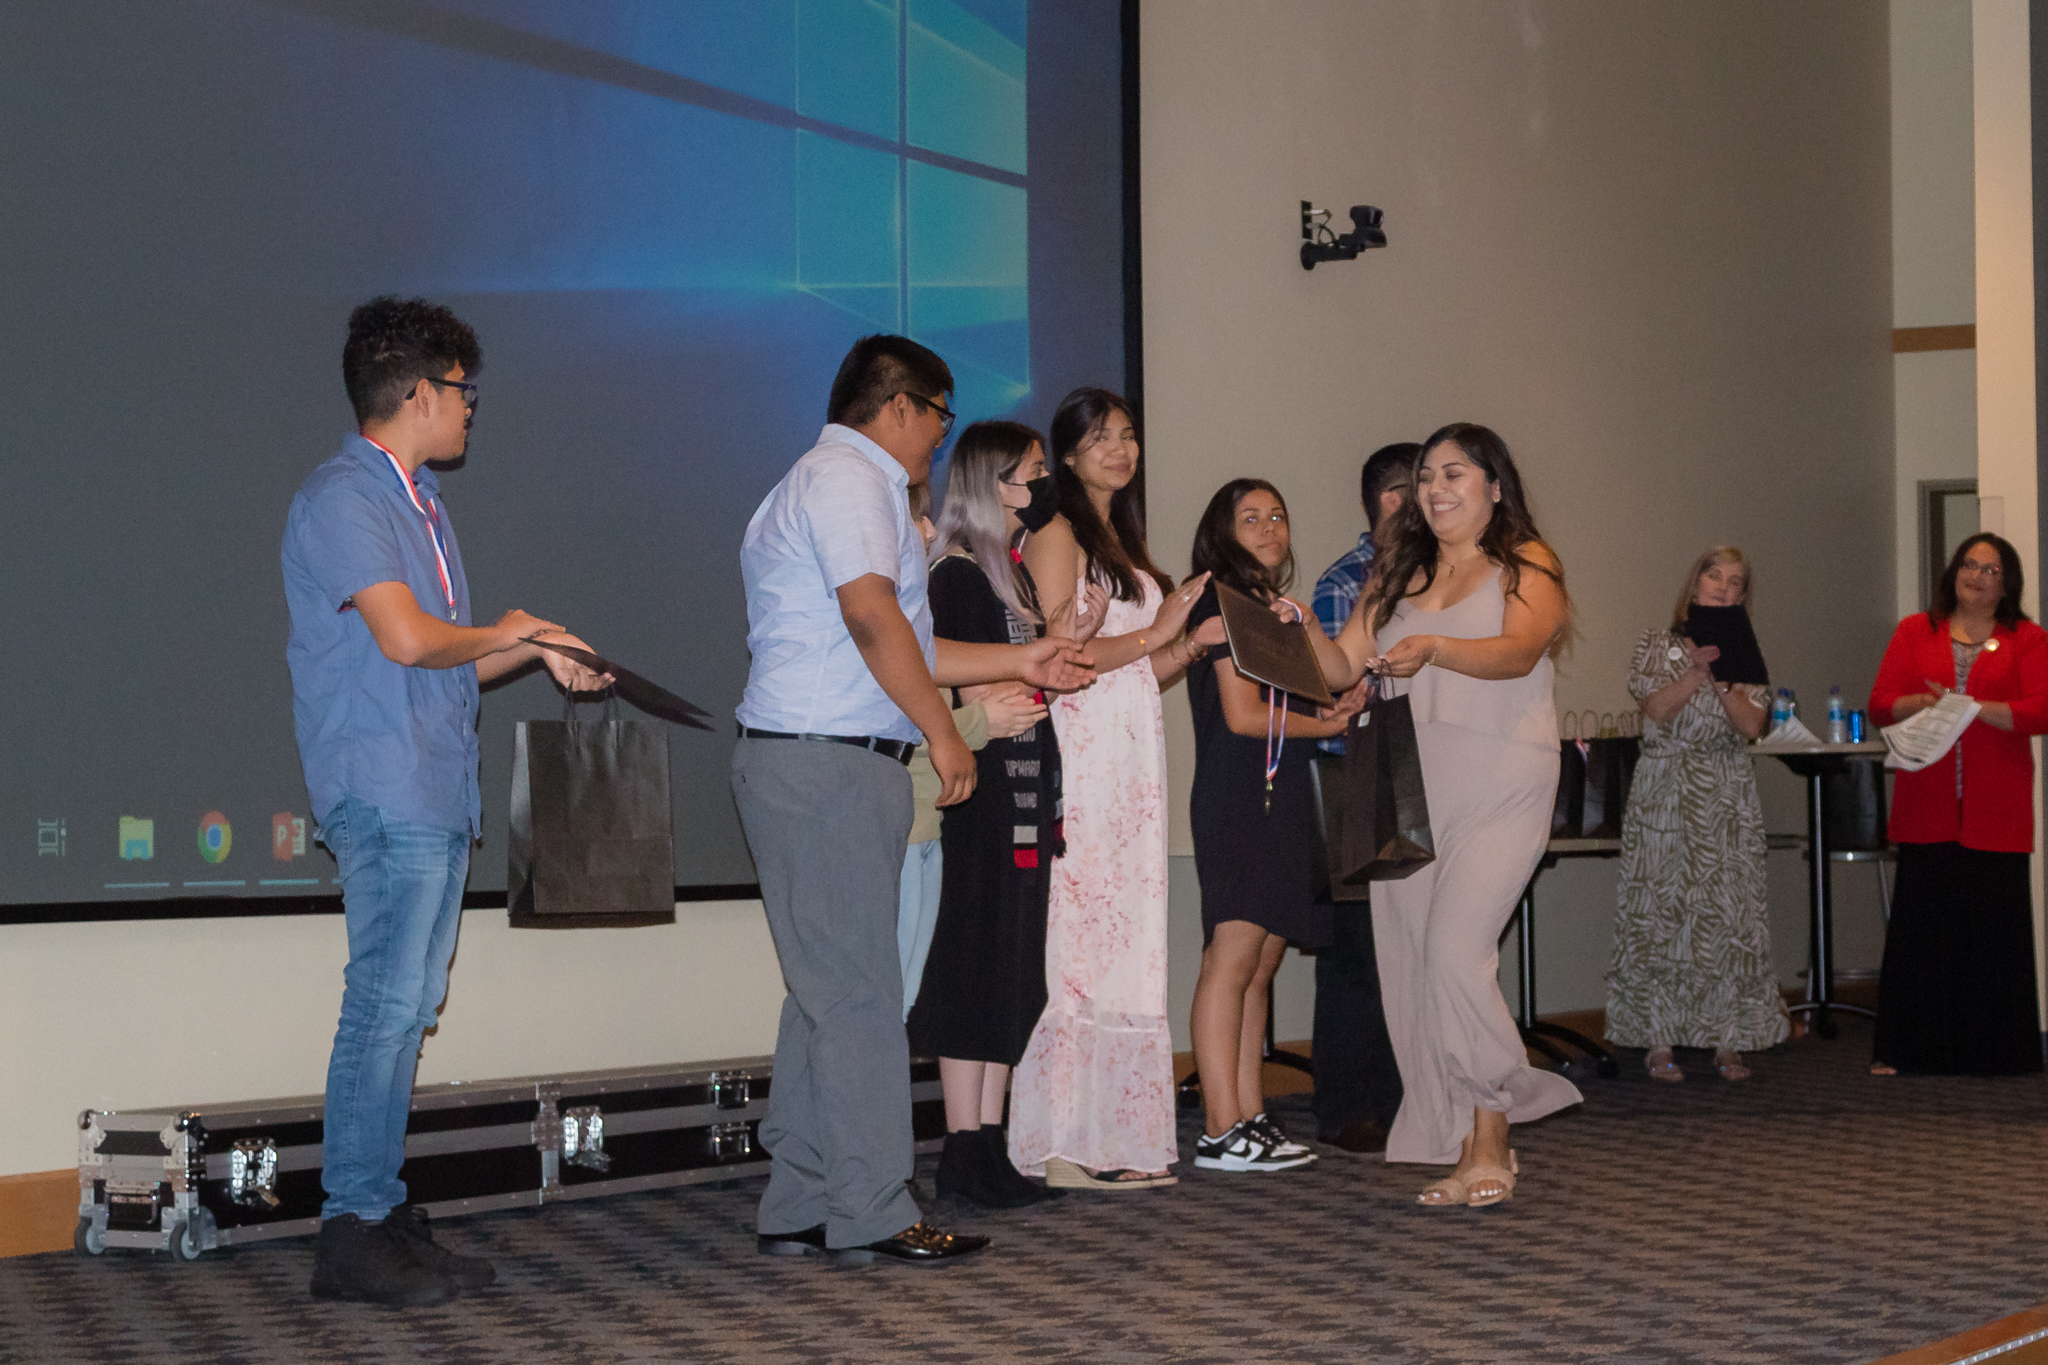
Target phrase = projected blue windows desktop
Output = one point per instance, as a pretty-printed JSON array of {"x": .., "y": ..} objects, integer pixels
[
  {"x": 906, "y": 172},
  {"x": 666, "y": 219}
]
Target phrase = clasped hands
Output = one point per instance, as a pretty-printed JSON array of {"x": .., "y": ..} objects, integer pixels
[
  {"x": 1915, "y": 702},
  {"x": 1056, "y": 663}
]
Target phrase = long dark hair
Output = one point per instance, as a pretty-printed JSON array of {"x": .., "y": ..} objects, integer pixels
[
  {"x": 1407, "y": 545},
  {"x": 1116, "y": 550},
  {"x": 2008, "y": 610},
  {"x": 1219, "y": 553},
  {"x": 973, "y": 518}
]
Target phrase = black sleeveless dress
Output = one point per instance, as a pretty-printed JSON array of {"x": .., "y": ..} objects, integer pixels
[
  {"x": 984, "y": 980},
  {"x": 1256, "y": 860}
]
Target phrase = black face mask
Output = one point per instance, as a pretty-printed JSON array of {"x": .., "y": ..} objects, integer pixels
[{"x": 1044, "y": 505}]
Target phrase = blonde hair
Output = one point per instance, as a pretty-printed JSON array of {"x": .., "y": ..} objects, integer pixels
[{"x": 1719, "y": 554}]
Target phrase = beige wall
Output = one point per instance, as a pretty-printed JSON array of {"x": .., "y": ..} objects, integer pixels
[
  {"x": 2008, "y": 451},
  {"x": 1650, "y": 244},
  {"x": 1934, "y": 255}
]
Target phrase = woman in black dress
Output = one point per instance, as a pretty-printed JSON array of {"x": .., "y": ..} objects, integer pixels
[
  {"x": 1255, "y": 837},
  {"x": 984, "y": 980}
]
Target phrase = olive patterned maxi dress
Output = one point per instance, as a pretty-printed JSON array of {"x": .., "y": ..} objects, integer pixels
[{"x": 1692, "y": 939}]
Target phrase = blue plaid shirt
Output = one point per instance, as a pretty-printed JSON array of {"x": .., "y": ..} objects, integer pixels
[{"x": 1336, "y": 594}]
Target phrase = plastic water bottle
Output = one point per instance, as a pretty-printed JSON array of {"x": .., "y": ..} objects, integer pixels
[
  {"x": 1838, "y": 719},
  {"x": 1781, "y": 708}
]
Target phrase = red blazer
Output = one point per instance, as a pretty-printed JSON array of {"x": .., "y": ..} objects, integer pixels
[{"x": 1995, "y": 813}]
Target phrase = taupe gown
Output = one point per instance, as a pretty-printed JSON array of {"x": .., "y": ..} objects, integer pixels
[{"x": 1489, "y": 765}]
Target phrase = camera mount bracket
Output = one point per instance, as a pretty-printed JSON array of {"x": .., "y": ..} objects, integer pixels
[{"x": 1318, "y": 243}]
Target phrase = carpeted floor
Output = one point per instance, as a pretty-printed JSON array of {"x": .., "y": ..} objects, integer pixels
[{"x": 1810, "y": 1215}]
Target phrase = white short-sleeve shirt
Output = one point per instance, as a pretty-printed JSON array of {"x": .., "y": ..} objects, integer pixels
[{"x": 843, "y": 511}]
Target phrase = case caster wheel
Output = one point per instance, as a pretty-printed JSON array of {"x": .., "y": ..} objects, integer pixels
[
  {"x": 89, "y": 1240},
  {"x": 185, "y": 1245}
]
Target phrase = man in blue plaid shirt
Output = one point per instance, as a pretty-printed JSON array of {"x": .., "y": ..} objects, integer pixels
[
  {"x": 1358, "y": 1085},
  {"x": 1384, "y": 484}
]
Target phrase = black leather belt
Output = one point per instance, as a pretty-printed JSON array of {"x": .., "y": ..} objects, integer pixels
[{"x": 898, "y": 749}]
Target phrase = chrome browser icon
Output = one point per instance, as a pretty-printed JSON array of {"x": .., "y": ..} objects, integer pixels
[{"x": 216, "y": 837}]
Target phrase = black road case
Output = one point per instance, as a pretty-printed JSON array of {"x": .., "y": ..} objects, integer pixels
[{"x": 187, "y": 1180}]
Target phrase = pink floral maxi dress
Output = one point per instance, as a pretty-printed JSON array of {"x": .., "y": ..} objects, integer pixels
[{"x": 1096, "y": 1084}]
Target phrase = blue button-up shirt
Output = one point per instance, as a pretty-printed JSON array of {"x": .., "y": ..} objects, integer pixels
[
  {"x": 1337, "y": 593},
  {"x": 403, "y": 739},
  {"x": 841, "y": 513}
]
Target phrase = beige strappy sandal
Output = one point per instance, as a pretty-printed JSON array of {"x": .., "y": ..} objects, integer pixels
[
  {"x": 1062, "y": 1174},
  {"x": 1450, "y": 1191},
  {"x": 1483, "y": 1174}
]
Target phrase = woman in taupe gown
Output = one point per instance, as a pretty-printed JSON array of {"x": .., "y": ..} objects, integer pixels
[{"x": 1465, "y": 603}]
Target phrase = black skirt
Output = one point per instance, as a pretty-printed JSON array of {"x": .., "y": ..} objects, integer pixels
[{"x": 1956, "y": 997}]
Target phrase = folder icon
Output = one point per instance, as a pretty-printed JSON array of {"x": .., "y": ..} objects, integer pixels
[{"x": 138, "y": 838}]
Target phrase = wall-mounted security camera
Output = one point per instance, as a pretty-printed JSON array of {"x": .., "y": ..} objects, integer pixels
[{"x": 1318, "y": 243}]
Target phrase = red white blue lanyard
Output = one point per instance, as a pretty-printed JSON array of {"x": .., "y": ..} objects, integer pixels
[
  {"x": 433, "y": 516},
  {"x": 1276, "y": 701}
]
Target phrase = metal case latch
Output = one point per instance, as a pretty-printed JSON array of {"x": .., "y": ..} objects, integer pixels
[
  {"x": 252, "y": 1173},
  {"x": 583, "y": 1138},
  {"x": 731, "y": 1140},
  {"x": 732, "y": 1089}
]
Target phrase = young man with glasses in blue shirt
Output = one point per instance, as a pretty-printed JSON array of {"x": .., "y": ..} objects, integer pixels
[
  {"x": 845, "y": 677},
  {"x": 385, "y": 669}
]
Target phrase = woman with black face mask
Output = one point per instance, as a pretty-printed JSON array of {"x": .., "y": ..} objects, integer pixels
[{"x": 984, "y": 980}]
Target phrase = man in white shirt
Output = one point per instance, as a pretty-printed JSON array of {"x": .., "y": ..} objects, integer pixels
[{"x": 845, "y": 677}]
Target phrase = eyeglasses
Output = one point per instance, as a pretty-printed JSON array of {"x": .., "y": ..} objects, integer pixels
[
  {"x": 1981, "y": 570},
  {"x": 468, "y": 390},
  {"x": 946, "y": 414}
]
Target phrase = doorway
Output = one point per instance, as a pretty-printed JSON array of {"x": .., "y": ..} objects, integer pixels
[{"x": 1948, "y": 517}]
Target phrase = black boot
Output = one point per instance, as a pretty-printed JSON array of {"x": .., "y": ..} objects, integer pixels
[
  {"x": 1022, "y": 1187},
  {"x": 467, "y": 1272},
  {"x": 373, "y": 1263},
  {"x": 966, "y": 1171}
]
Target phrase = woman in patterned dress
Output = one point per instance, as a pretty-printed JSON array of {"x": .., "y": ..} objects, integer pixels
[
  {"x": 1091, "y": 1103},
  {"x": 1692, "y": 939}
]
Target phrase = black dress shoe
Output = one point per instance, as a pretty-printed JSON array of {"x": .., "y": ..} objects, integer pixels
[
  {"x": 1362, "y": 1137},
  {"x": 809, "y": 1242},
  {"x": 918, "y": 1244}
]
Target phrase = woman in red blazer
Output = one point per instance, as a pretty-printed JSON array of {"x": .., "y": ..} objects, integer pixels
[{"x": 1956, "y": 996}]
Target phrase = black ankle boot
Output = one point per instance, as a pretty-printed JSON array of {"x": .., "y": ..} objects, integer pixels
[
  {"x": 966, "y": 1171},
  {"x": 465, "y": 1272},
  {"x": 1021, "y": 1186},
  {"x": 373, "y": 1263}
]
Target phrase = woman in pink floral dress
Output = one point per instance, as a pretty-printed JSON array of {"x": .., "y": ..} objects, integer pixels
[{"x": 1091, "y": 1104}]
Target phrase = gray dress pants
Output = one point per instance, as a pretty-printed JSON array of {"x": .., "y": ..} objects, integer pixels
[{"x": 827, "y": 825}]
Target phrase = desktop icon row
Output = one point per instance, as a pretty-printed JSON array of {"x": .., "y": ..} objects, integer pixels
[{"x": 216, "y": 837}]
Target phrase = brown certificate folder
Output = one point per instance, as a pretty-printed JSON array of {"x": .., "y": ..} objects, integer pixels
[{"x": 1269, "y": 650}]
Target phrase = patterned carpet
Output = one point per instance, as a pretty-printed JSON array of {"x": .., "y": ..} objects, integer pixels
[{"x": 1811, "y": 1215}]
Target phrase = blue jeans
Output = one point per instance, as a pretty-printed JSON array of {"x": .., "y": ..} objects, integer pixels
[
  {"x": 917, "y": 914},
  {"x": 401, "y": 889}
]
